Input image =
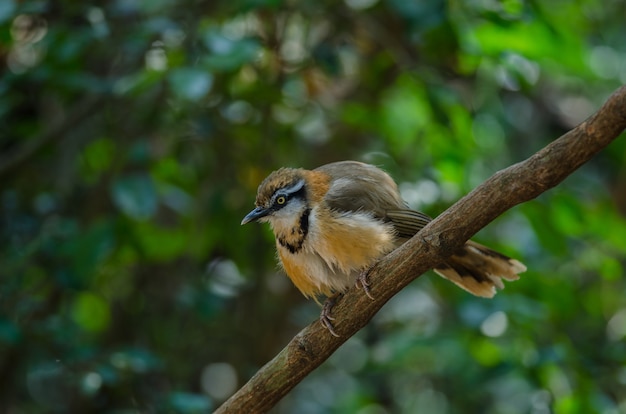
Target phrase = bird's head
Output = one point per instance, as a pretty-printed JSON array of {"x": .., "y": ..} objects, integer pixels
[{"x": 281, "y": 198}]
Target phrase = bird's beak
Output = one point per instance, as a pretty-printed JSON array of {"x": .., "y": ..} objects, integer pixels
[{"x": 255, "y": 214}]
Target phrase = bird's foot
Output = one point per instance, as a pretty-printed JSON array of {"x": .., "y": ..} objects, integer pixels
[
  {"x": 362, "y": 283},
  {"x": 325, "y": 317}
]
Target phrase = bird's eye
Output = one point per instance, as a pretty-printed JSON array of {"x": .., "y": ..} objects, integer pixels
[{"x": 281, "y": 200}]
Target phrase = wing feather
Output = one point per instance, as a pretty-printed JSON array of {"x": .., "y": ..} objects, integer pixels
[
  {"x": 356, "y": 186},
  {"x": 407, "y": 222}
]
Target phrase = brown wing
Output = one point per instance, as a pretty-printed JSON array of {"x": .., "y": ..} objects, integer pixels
[{"x": 356, "y": 186}]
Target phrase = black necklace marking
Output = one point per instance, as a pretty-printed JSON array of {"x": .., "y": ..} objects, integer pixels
[{"x": 299, "y": 234}]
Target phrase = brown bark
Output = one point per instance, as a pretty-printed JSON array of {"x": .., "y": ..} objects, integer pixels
[{"x": 514, "y": 185}]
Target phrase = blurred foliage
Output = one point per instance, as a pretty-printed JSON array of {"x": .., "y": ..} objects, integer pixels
[{"x": 133, "y": 135}]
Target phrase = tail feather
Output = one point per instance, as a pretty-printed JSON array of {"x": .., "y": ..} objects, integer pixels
[{"x": 480, "y": 270}]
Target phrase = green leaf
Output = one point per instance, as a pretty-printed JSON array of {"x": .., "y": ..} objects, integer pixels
[
  {"x": 159, "y": 243},
  {"x": 91, "y": 312},
  {"x": 486, "y": 352},
  {"x": 567, "y": 216},
  {"x": 609, "y": 267},
  {"x": 405, "y": 112},
  {"x": 97, "y": 158},
  {"x": 135, "y": 195}
]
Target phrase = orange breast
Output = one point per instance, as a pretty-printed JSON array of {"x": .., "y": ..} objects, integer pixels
[
  {"x": 337, "y": 248},
  {"x": 299, "y": 271}
]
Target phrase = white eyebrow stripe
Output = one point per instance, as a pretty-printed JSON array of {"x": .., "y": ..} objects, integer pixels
[{"x": 294, "y": 188}]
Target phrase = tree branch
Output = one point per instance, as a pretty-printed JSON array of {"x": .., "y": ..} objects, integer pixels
[{"x": 514, "y": 185}]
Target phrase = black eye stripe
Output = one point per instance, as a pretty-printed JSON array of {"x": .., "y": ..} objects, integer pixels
[{"x": 286, "y": 194}]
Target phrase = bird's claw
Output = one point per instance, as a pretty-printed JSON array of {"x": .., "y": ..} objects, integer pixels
[
  {"x": 361, "y": 282},
  {"x": 325, "y": 317}
]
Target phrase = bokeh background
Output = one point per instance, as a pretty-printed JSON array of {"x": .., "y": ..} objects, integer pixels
[{"x": 133, "y": 135}]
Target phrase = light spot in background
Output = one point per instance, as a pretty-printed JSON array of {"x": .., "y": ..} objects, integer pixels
[
  {"x": 239, "y": 112},
  {"x": 505, "y": 78},
  {"x": 414, "y": 308},
  {"x": 528, "y": 69},
  {"x": 122, "y": 361},
  {"x": 616, "y": 327},
  {"x": 293, "y": 49},
  {"x": 450, "y": 191},
  {"x": 173, "y": 37},
  {"x": 516, "y": 227},
  {"x": 155, "y": 58},
  {"x": 23, "y": 57},
  {"x": 45, "y": 203},
  {"x": 224, "y": 277},
  {"x": 219, "y": 380},
  {"x": 91, "y": 383},
  {"x": 220, "y": 44},
  {"x": 540, "y": 402},
  {"x": 26, "y": 52},
  {"x": 558, "y": 382},
  {"x": 284, "y": 114},
  {"x": 419, "y": 194},
  {"x": 574, "y": 109},
  {"x": 294, "y": 93},
  {"x": 177, "y": 199},
  {"x": 312, "y": 127},
  {"x": 244, "y": 25},
  {"x": 607, "y": 63},
  {"x": 96, "y": 17},
  {"x": 28, "y": 29},
  {"x": 190, "y": 83},
  {"x": 495, "y": 324},
  {"x": 360, "y": 4}
]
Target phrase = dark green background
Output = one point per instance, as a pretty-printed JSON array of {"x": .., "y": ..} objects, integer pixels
[{"x": 133, "y": 135}]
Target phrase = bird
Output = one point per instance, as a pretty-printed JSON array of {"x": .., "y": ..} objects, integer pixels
[{"x": 332, "y": 223}]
